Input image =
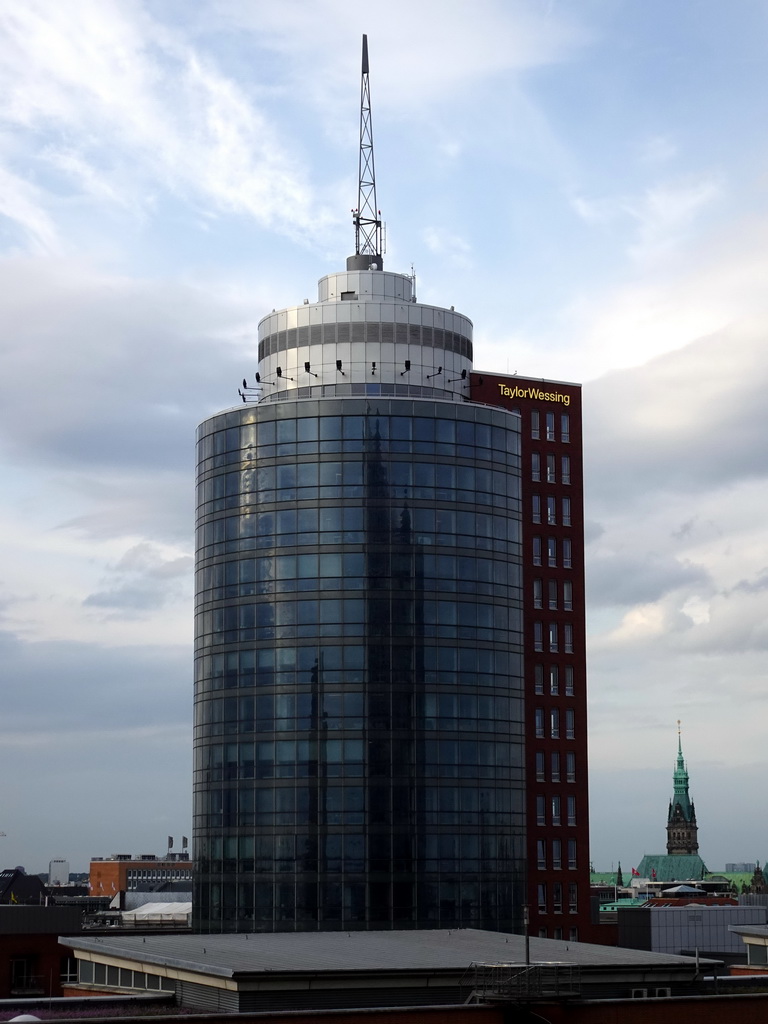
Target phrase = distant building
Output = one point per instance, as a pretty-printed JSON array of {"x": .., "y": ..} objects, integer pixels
[
  {"x": 682, "y": 861},
  {"x": 740, "y": 867},
  {"x": 682, "y": 831},
  {"x": 58, "y": 871},
  {"x": 122, "y": 872},
  {"x": 681, "y": 930},
  {"x": 16, "y": 886},
  {"x": 757, "y": 884}
]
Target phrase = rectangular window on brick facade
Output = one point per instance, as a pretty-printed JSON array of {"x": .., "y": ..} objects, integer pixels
[
  {"x": 568, "y": 596},
  {"x": 552, "y": 552},
  {"x": 569, "y": 680},
  {"x": 556, "y": 814},
  {"x": 568, "y": 638},
  {"x": 541, "y": 897},
  {"x": 554, "y": 724},
  {"x": 557, "y": 897},
  {"x": 567, "y": 557},
  {"x": 550, "y": 426},
  {"x": 538, "y": 593},
  {"x": 538, "y": 716},
  {"x": 541, "y": 810},
  {"x": 535, "y": 466},
  {"x": 570, "y": 766},
  {"x": 565, "y": 469},
  {"x": 551, "y": 471},
  {"x": 552, "y": 510},
  {"x": 557, "y": 855},
  {"x": 571, "y": 810},
  {"x": 565, "y": 427},
  {"x": 536, "y": 508},
  {"x": 535, "y": 429},
  {"x": 540, "y": 762},
  {"x": 538, "y": 636},
  {"x": 541, "y": 854},
  {"x": 570, "y": 724},
  {"x": 573, "y": 898},
  {"x": 554, "y": 680},
  {"x": 552, "y": 595},
  {"x": 555, "y": 761},
  {"x": 537, "y": 551},
  {"x": 571, "y": 854},
  {"x": 553, "y": 637},
  {"x": 566, "y": 506},
  {"x": 538, "y": 679}
]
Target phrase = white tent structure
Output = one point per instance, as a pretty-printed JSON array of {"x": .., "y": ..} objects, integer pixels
[{"x": 158, "y": 914}]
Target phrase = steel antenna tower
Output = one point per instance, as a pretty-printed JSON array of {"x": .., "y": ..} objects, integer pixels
[{"x": 367, "y": 216}]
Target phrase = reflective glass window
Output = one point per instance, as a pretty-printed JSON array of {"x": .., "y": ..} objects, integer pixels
[
  {"x": 557, "y": 855},
  {"x": 567, "y": 558},
  {"x": 538, "y": 678}
]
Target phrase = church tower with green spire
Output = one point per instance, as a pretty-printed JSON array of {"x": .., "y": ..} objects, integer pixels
[{"x": 682, "y": 831}]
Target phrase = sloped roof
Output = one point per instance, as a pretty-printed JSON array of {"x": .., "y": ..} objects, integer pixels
[
  {"x": 18, "y": 887},
  {"x": 672, "y": 867}
]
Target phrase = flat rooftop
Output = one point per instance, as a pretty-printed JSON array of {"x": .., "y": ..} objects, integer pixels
[{"x": 229, "y": 956}]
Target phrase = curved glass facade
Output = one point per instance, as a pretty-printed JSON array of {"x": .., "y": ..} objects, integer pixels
[{"x": 359, "y": 744}]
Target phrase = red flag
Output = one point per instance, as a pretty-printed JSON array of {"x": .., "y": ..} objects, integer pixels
[
  {"x": 635, "y": 872},
  {"x": 653, "y": 873}
]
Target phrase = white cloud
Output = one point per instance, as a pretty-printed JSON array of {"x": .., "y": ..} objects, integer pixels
[
  {"x": 113, "y": 96},
  {"x": 665, "y": 213},
  {"x": 453, "y": 248},
  {"x": 446, "y": 46},
  {"x": 659, "y": 219},
  {"x": 659, "y": 149},
  {"x": 143, "y": 580},
  {"x": 24, "y": 204}
]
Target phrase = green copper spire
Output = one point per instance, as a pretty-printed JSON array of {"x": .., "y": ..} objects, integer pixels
[
  {"x": 681, "y": 820},
  {"x": 680, "y": 782}
]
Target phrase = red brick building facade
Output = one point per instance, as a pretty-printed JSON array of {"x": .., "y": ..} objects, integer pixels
[{"x": 554, "y": 644}]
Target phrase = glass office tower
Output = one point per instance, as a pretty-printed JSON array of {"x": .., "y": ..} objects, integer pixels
[{"x": 359, "y": 746}]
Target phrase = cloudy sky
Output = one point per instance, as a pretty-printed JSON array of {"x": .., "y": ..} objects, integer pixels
[{"x": 588, "y": 182}]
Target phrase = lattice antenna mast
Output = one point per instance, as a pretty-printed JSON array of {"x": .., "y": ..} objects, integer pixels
[{"x": 367, "y": 216}]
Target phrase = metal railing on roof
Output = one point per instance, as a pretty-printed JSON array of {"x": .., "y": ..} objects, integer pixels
[{"x": 519, "y": 983}]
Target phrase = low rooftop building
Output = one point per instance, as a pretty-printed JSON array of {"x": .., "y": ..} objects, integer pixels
[{"x": 238, "y": 973}]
